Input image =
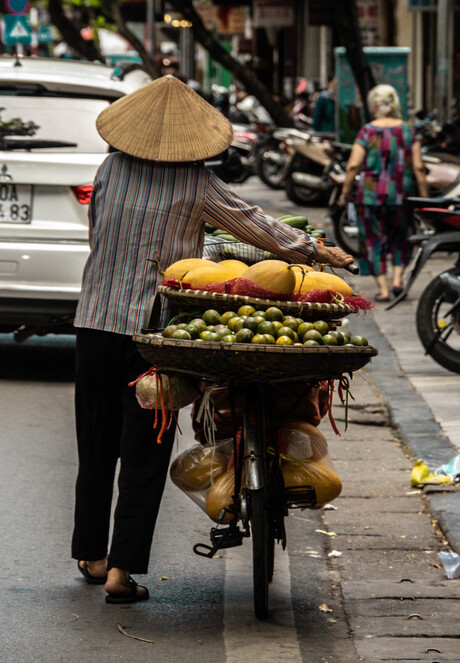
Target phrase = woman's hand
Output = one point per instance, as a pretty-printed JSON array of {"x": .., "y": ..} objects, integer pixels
[
  {"x": 342, "y": 200},
  {"x": 332, "y": 255}
]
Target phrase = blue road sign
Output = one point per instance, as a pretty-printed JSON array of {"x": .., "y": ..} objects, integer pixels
[
  {"x": 17, "y": 30},
  {"x": 44, "y": 34},
  {"x": 17, "y": 6}
]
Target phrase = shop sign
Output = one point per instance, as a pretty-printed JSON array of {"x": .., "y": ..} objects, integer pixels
[
  {"x": 222, "y": 19},
  {"x": 272, "y": 14},
  {"x": 427, "y": 5},
  {"x": 413, "y": 5}
]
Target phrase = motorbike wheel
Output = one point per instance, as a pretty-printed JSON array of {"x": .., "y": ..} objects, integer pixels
[
  {"x": 269, "y": 171},
  {"x": 301, "y": 194},
  {"x": 433, "y": 304},
  {"x": 345, "y": 231}
]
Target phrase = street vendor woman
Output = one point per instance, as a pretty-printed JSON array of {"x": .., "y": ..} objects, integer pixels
[{"x": 151, "y": 199}]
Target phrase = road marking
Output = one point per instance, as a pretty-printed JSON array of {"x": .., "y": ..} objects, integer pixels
[{"x": 246, "y": 638}]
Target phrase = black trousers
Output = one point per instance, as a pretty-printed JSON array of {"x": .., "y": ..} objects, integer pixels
[{"x": 111, "y": 425}]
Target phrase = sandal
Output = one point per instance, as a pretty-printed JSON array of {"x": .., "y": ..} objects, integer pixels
[
  {"x": 132, "y": 596},
  {"x": 91, "y": 580},
  {"x": 397, "y": 290},
  {"x": 381, "y": 298}
]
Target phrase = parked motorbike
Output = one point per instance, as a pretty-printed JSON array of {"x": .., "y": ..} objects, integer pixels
[
  {"x": 273, "y": 158},
  {"x": 228, "y": 166},
  {"x": 437, "y": 222},
  {"x": 438, "y": 318},
  {"x": 437, "y": 139},
  {"x": 307, "y": 175}
]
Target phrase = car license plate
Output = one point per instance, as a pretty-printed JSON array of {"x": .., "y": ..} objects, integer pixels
[{"x": 15, "y": 203}]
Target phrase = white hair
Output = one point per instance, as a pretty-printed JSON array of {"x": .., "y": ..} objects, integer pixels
[{"x": 383, "y": 101}]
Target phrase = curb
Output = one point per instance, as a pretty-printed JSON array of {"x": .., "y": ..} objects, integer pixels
[{"x": 422, "y": 435}]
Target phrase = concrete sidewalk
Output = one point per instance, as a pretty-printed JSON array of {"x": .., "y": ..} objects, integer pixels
[
  {"x": 383, "y": 544},
  {"x": 422, "y": 397}
]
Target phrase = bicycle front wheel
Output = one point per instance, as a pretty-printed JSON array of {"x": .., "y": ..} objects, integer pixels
[{"x": 263, "y": 551}]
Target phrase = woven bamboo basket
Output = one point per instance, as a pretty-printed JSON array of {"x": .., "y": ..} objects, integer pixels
[
  {"x": 186, "y": 299},
  {"x": 252, "y": 362}
]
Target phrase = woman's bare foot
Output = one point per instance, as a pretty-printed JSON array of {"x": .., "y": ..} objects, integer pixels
[
  {"x": 94, "y": 572},
  {"x": 97, "y": 568},
  {"x": 120, "y": 585}
]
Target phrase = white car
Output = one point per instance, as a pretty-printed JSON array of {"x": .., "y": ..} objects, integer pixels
[{"x": 49, "y": 153}]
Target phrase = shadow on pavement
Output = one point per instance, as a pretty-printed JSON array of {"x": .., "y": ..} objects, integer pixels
[{"x": 44, "y": 359}]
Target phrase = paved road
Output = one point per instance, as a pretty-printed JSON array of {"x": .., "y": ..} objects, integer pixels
[{"x": 337, "y": 594}]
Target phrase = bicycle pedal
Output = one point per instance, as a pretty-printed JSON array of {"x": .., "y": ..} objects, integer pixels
[{"x": 227, "y": 537}]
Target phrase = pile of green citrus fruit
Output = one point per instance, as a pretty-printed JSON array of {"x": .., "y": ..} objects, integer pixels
[{"x": 247, "y": 325}]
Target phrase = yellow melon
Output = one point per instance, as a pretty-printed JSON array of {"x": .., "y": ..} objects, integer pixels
[
  {"x": 325, "y": 281},
  {"x": 274, "y": 275},
  {"x": 324, "y": 480},
  {"x": 219, "y": 496},
  {"x": 299, "y": 272},
  {"x": 197, "y": 468},
  {"x": 235, "y": 267},
  {"x": 210, "y": 273},
  {"x": 178, "y": 269}
]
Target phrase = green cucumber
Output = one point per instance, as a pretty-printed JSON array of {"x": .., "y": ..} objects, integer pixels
[
  {"x": 228, "y": 238},
  {"x": 296, "y": 221}
]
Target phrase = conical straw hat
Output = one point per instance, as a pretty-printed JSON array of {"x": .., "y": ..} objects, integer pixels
[{"x": 165, "y": 120}]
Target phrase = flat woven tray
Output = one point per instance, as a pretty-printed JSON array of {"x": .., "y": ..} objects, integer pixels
[
  {"x": 252, "y": 362},
  {"x": 185, "y": 298}
]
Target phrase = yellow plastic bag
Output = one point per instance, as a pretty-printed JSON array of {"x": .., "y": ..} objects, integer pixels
[
  {"x": 198, "y": 467},
  {"x": 316, "y": 473},
  {"x": 421, "y": 475}
]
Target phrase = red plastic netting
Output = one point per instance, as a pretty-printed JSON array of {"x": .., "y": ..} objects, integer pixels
[
  {"x": 248, "y": 288},
  {"x": 355, "y": 302},
  {"x": 236, "y": 286}
]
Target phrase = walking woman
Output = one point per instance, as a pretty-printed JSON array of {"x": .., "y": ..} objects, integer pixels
[
  {"x": 151, "y": 199},
  {"x": 388, "y": 155}
]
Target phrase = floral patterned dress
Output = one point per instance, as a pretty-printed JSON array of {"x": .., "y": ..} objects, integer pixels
[{"x": 386, "y": 179}]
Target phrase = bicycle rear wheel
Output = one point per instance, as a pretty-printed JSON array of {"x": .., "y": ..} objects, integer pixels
[{"x": 263, "y": 549}]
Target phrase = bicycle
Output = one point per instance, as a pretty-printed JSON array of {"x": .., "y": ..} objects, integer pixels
[{"x": 260, "y": 501}]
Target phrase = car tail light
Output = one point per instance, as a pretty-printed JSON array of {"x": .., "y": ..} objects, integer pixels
[{"x": 83, "y": 193}]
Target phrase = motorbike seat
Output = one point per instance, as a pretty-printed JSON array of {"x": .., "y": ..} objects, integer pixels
[{"x": 415, "y": 201}]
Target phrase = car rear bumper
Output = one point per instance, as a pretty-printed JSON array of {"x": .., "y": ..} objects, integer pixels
[
  {"x": 42, "y": 270},
  {"x": 40, "y": 285}
]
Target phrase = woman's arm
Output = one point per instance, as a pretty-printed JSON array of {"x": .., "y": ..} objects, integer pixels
[
  {"x": 225, "y": 209},
  {"x": 355, "y": 161},
  {"x": 419, "y": 169}
]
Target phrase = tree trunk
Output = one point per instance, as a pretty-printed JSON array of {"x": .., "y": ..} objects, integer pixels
[
  {"x": 348, "y": 35},
  {"x": 71, "y": 34},
  {"x": 113, "y": 14},
  {"x": 243, "y": 74}
]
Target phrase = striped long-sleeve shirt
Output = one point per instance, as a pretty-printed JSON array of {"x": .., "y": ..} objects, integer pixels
[{"x": 143, "y": 210}]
